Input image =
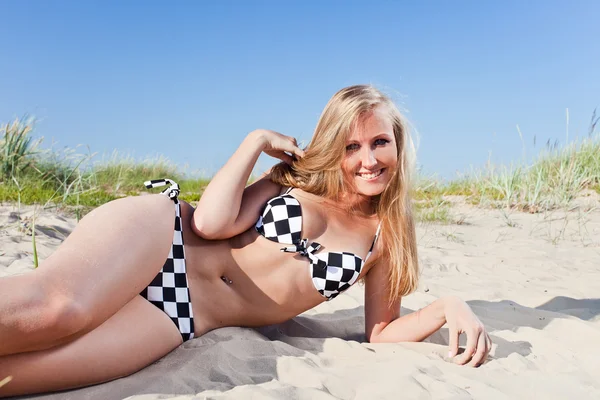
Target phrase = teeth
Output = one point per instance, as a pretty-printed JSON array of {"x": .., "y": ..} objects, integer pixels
[{"x": 371, "y": 175}]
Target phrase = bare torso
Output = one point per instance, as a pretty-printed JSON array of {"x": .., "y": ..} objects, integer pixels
[{"x": 248, "y": 281}]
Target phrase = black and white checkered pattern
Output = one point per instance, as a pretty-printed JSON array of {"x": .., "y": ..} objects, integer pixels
[
  {"x": 169, "y": 290},
  {"x": 281, "y": 220},
  {"x": 171, "y": 192},
  {"x": 340, "y": 272},
  {"x": 303, "y": 248},
  {"x": 331, "y": 272}
]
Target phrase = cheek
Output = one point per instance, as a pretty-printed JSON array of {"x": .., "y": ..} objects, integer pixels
[
  {"x": 349, "y": 165},
  {"x": 389, "y": 157},
  {"x": 394, "y": 160}
]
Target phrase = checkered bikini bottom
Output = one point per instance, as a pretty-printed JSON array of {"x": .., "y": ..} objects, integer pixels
[{"x": 169, "y": 289}]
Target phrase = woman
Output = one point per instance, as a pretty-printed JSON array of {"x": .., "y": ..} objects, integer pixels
[{"x": 340, "y": 208}]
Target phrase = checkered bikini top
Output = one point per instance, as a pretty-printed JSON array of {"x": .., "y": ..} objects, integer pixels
[{"x": 331, "y": 272}]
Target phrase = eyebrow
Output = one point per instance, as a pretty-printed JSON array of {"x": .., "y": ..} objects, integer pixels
[{"x": 378, "y": 136}]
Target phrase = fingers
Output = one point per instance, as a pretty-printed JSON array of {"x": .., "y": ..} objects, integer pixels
[
  {"x": 488, "y": 342},
  {"x": 481, "y": 352},
  {"x": 291, "y": 149},
  {"x": 286, "y": 158},
  {"x": 276, "y": 144},
  {"x": 294, "y": 149},
  {"x": 287, "y": 154},
  {"x": 472, "y": 338},
  {"x": 453, "y": 342}
]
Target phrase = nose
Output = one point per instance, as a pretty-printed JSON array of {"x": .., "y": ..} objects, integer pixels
[{"x": 368, "y": 159}]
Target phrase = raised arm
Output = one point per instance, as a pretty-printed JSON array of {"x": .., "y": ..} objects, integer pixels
[
  {"x": 227, "y": 207},
  {"x": 383, "y": 323}
]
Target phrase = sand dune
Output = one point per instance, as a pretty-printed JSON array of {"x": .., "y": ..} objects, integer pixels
[{"x": 533, "y": 279}]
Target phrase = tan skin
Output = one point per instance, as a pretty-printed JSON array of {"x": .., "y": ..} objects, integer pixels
[{"x": 81, "y": 308}]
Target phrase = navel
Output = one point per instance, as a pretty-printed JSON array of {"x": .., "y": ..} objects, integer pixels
[{"x": 226, "y": 280}]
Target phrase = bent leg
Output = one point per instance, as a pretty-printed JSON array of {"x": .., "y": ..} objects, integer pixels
[
  {"x": 112, "y": 254},
  {"x": 131, "y": 339}
]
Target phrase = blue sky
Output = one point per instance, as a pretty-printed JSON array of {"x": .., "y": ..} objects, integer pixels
[{"x": 189, "y": 80}]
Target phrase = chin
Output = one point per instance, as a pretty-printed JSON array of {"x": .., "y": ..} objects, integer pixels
[{"x": 369, "y": 191}]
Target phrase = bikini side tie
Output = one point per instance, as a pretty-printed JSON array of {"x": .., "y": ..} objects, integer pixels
[{"x": 171, "y": 192}]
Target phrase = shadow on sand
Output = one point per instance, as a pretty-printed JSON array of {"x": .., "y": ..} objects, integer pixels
[{"x": 228, "y": 357}]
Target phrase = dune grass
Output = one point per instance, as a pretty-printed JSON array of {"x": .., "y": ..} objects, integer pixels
[
  {"x": 71, "y": 179},
  {"x": 74, "y": 180},
  {"x": 551, "y": 181}
]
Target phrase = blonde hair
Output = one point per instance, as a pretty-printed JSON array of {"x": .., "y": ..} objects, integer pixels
[{"x": 319, "y": 172}]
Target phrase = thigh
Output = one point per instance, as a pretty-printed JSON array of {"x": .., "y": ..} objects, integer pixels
[
  {"x": 131, "y": 339},
  {"x": 113, "y": 253}
]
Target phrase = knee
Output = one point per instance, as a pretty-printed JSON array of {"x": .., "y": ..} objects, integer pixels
[
  {"x": 54, "y": 315},
  {"x": 66, "y": 316}
]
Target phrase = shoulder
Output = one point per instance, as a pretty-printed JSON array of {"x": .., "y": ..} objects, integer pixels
[{"x": 262, "y": 190}]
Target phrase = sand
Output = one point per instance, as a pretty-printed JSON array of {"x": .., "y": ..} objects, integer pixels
[{"x": 533, "y": 280}]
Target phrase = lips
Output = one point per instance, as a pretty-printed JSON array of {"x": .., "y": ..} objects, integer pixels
[{"x": 370, "y": 175}]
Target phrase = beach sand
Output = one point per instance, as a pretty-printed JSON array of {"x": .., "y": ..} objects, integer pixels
[{"x": 533, "y": 280}]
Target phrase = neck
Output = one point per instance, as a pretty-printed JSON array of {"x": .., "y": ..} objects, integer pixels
[{"x": 354, "y": 202}]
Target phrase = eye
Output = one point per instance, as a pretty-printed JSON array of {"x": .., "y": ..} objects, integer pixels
[
  {"x": 352, "y": 147},
  {"x": 381, "y": 142}
]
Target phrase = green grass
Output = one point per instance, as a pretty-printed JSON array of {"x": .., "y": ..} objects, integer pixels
[
  {"x": 72, "y": 179},
  {"x": 440, "y": 214},
  {"x": 17, "y": 147},
  {"x": 555, "y": 178},
  {"x": 33, "y": 243}
]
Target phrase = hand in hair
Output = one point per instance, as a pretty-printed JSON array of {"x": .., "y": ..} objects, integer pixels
[{"x": 279, "y": 146}]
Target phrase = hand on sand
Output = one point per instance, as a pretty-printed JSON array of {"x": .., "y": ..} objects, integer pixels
[
  {"x": 279, "y": 146},
  {"x": 461, "y": 319}
]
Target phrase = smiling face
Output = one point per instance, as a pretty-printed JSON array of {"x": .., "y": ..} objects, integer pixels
[{"x": 371, "y": 154}]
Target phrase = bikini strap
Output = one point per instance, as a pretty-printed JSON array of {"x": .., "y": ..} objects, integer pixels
[
  {"x": 373, "y": 244},
  {"x": 289, "y": 190},
  {"x": 171, "y": 192}
]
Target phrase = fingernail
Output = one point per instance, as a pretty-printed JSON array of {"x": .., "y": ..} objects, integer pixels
[{"x": 450, "y": 354}]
